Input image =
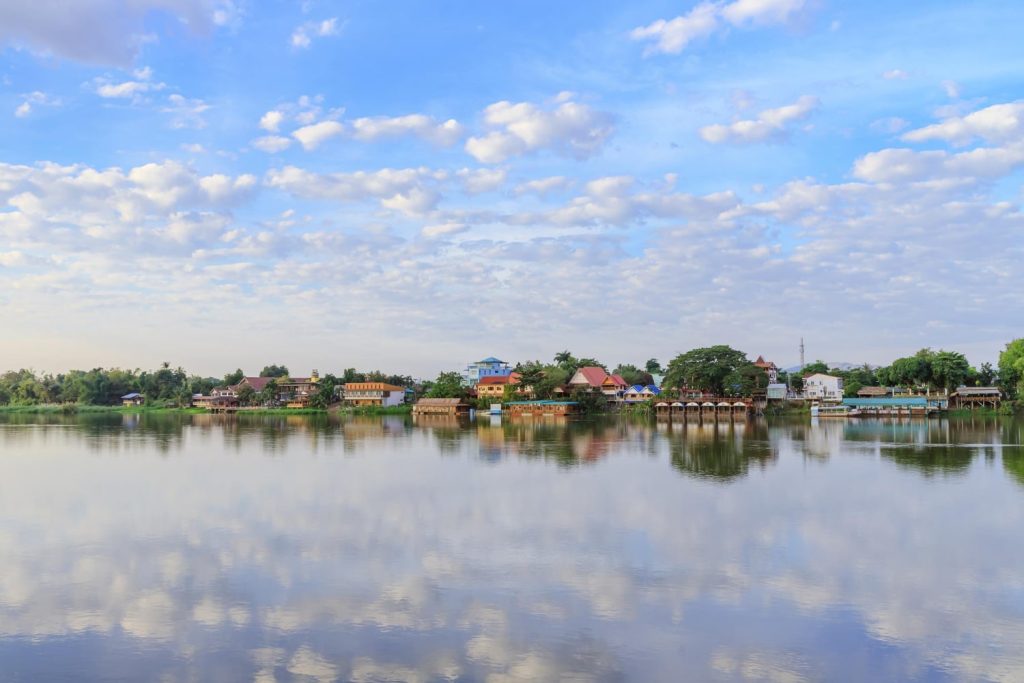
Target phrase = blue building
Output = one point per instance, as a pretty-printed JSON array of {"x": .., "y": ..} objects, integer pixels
[{"x": 488, "y": 367}]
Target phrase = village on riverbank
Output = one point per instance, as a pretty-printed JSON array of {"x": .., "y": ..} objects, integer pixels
[{"x": 717, "y": 382}]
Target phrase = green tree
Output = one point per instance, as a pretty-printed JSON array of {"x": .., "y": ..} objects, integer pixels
[
  {"x": 448, "y": 385},
  {"x": 633, "y": 374},
  {"x": 744, "y": 380},
  {"x": 948, "y": 370},
  {"x": 274, "y": 371},
  {"x": 268, "y": 395},
  {"x": 233, "y": 378},
  {"x": 816, "y": 367},
  {"x": 705, "y": 368},
  {"x": 326, "y": 392},
  {"x": 1011, "y": 368},
  {"x": 653, "y": 366},
  {"x": 246, "y": 395}
]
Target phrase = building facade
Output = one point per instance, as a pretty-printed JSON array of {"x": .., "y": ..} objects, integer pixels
[
  {"x": 488, "y": 367},
  {"x": 494, "y": 387},
  {"x": 822, "y": 387},
  {"x": 769, "y": 368},
  {"x": 373, "y": 394}
]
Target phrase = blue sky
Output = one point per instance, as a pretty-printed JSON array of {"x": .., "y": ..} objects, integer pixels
[{"x": 414, "y": 185}]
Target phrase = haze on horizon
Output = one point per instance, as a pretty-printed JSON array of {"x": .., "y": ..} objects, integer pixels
[{"x": 231, "y": 183}]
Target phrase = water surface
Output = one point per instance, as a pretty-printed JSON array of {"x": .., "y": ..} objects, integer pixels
[{"x": 206, "y": 548}]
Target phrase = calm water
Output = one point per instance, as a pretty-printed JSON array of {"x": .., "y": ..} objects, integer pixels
[{"x": 200, "y": 548}]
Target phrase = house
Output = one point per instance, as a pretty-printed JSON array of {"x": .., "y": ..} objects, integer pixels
[
  {"x": 873, "y": 392},
  {"x": 493, "y": 387},
  {"x": 822, "y": 387},
  {"x": 444, "y": 407},
  {"x": 132, "y": 399},
  {"x": 488, "y": 367},
  {"x": 212, "y": 402},
  {"x": 777, "y": 392},
  {"x": 296, "y": 392},
  {"x": 975, "y": 397},
  {"x": 638, "y": 393},
  {"x": 541, "y": 408},
  {"x": 769, "y": 368},
  {"x": 593, "y": 378},
  {"x": 377, "y": 394}
]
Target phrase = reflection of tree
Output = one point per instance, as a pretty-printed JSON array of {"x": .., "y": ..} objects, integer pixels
[
  {"x": 1013, "y": 461},
  {"x": 931, "y": 459},
  {"x": 721, "y": 451}
]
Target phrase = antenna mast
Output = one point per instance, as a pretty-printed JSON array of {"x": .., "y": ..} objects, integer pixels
[{"x": 802, "y": 363}]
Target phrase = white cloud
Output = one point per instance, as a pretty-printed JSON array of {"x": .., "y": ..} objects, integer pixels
[
  {"x": 369, "y": 129},
  {"x": 302, "y": 37},
  {"x": 271, "y": 121},
  {"x": 672, "y": 36},
  {"x": 571, "y": 129},
  {"x": 272, "y": 144},
  {"x": 895, "y": 75},
  {"x": 185, "y": 112},
  {"x": 98, "y": 31},
  {"x": 770, "y": 124},
  {"x": 314, "y": 135},
  {"x": 477, "y": 181},
  {"x": 443, "y": 230},
  {"x": 130, "y": 89},
  {"x": 951, "y": 88},
  {"x": 34, "y": 99},
  {"x": 997, "y": 123},
  {"x": 542, "y": 187},
  {"x": 409, "y": 190}
]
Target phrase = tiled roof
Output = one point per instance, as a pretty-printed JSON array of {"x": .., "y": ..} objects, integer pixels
[
  {"x": 257, "y": 383},
  {"x": 618, "y": 380},
  {"x": 440, "y": 402},
  {"x": 512, "y": 378},
  {"x": 372, "y": 386},
  {"x": 594, "y": 375}
]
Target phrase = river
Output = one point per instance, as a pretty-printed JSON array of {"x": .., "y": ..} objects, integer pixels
[{"x": 208, "y": 548}]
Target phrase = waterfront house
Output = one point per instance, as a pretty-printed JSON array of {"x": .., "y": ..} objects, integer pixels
[
  {"x": 377, "y": 394},
  {"x": 822, "y": 387},
  {"x": 494, "y": 387},
  {"x": 769, "y": 368},
  {"x": 777, "y": 392},
  {"x": 873, "y": 392},
  {"x": 975, "y": 397},
  {"x": 541, "y": 408},
  {"x": 638, "y": 393},
  {"x": 444, "y": 407},
  {"x": 593, "y": 378},
  {"x": 132, "y": 399},
  {"x": 296, "y": 392},
  {"x": 488, "y": 367}
]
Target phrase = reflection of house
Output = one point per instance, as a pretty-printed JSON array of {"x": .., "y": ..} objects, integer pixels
[
  {"x": 639, "y": 393},
  {"x": 822, "y": 387},
  {"x": 453, "y": 407},
  {"x": 132, "y": 399},
  {"x": 494, "y": 387},
  {"x": 488, "y": 367},
  {"x": 769, "y": 368},
  {"x": 374, "y": 394}
]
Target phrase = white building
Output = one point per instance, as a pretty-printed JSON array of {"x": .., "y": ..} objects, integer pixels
[{"x": 823, "y": 387}]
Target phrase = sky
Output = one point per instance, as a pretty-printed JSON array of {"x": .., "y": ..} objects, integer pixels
[{"x": 411, "y": 186}]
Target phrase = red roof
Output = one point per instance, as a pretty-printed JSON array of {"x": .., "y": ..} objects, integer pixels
[
  {"x": 499, "y": 379},
  {"x": 594, "y": 375},
  {"x": 762, "y": 363},
  {"x": 618, "y": 380}
]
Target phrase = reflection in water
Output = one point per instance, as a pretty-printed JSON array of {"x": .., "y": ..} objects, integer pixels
[{"x": 171, "y": 548}]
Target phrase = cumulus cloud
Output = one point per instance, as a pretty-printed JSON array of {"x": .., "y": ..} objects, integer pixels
[
  {"x": 185, "y": 112},
  {"x": 302, "y": 36},
  {"x": 35, "y": 99},
  {"x": 133, "y": 89},
  {"x": 369, "y": 129},
  {"x": 998, "y": 123},
  {"x": 542, "y": 187},
  {"x": 770, "y": 124},
  {"x": 481, "y": 180},
  {"x": 672, "y": 36},
  {"x": 409, "y": 190},
  {"x": 272, "y": 144},
  {"x": 315, "y": 134},
  {"x": 99, "y": 31},
  {"x": 570, "y": 129},
  {"x": 271, "y": 121}
]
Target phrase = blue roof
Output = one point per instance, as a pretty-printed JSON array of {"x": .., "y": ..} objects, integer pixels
[
  {"x": 134, "y": 394},
  {"x": 637, "y": 388},
  {"x": 490, "y": 359},
  {"x": 653, "y": 388},
  {"x": 886, "y": 402}
]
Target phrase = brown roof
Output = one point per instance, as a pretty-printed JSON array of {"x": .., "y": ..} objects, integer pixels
[
  {"x": 762, "y": 363},
  {"x": 257, "y": 383},
  {"x": 440, "y": 402},
  {"x": 594, "y": 375},
  {"x": 372, "y": 386},
  {"x": 618, "y": 380},
  {"x": 872, "y": 391}
]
